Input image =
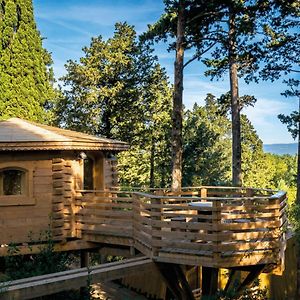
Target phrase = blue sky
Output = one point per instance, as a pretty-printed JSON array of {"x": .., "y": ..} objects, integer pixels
[{"x": 68, "y": 25}]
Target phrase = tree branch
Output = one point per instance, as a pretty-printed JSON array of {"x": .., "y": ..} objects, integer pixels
[{"x": 196, "y": 56}]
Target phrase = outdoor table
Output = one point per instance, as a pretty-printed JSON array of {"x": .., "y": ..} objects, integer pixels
[{"x": 198, "y": 204}]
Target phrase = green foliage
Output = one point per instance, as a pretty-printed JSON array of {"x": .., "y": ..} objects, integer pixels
[
  {"x": 253, "y": 293},
  {"x": 45, "y": 262},
  {"x": 254, "y": 167},
  {"x": 104, "y": 94},
  {"x": 148, "y": 160},
  {"x": 207, "y": 152},
  {"x": 292, "y": 121},
  {"x": 25, "y": 77},
  {"x": 119, "y": 90},
  {"x": 206, "y": 156},
  {"x": 243, "y": 45},
  {"x": 281, "y": 40},
  {"x": 282, "y": 171}
]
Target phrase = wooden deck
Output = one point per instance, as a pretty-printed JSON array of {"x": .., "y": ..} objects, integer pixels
[{"x": 210, "y": 226}]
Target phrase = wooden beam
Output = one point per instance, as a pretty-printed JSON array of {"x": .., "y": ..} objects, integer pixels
[
  {"x": 34, "y": 249},
  {"x": 116, "y": 251},
  {"x": 176, "y": 281},
  {"x": 54, "y": 283},
  {"x": 84, "y": 263},
  {"x": 253, "y": 274},
  {"x": 231, "y": 278}
]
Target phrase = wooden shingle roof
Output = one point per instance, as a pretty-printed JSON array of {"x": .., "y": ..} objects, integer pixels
[{"x": 17, "y": 134}]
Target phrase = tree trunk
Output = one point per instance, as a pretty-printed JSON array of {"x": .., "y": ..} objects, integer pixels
[
  {"x": 298, "y": 161},
  {"x": 177, "y": 103},
  {"x": 152, "y": 163},
  {"x": 298, "y": 199},
  {"x": 235, "y": 106},
  {"x": 107, "y": 121}
]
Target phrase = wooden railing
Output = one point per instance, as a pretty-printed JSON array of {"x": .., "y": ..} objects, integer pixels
[{"x": 209, "y": 226}]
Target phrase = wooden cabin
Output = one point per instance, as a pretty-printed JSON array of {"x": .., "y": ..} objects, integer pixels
[{"x": 40, "y": 169}]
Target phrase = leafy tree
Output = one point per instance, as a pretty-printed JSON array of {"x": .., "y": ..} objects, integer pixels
[
  {"x": 172, "y": 23},
  {"x": 104, "y": 87},
  {"x": 255, "y": 169},
  {"x": 207, "y": 151},
  {"x": 206, "y": 145},
  {"x": 149, "y": 159},
  {"x": 177, "y": 100},
  {"x": 281, "y": 41},
  {"x": 178, "y": 22},
  {"x": 282, "y": 170},
  {"x": 293, "y": 123},
  {"x": 236, "y": 36},
  {"x": 25, "y": 77},
  {"x": 118, "y": 90}
]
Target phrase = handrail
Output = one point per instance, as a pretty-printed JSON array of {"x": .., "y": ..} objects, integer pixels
[
  {"x": 194, "y": 187},
  {"x": 144, "y": 194}
]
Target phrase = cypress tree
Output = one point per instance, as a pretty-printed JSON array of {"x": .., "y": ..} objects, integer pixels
[{"x": 25, "y": 77}]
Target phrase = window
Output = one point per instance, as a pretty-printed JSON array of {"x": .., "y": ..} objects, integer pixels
[
  {"x": 16, "y": 184},
  {"x": 12, "y": 182},
  {"x": 88, "y": 174}
]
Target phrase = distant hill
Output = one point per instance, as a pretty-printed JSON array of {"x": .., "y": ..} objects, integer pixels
[{"x": 281, "y": 148}]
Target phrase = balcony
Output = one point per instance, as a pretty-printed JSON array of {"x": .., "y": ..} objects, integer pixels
[{"x": 218, "y": 227}]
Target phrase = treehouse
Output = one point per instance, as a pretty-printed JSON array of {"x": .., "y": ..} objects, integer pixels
[
  {"x": 65, "y": 182},
  {"x": 41, "y": 167}
]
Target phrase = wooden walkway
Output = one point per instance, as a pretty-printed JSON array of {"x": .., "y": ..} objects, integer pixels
[
  {"x": 74, "y": 279},
  {"x": 111, "y": 291}
]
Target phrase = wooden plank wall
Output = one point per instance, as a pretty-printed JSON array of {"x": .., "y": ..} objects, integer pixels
[
  {"x": 17, "y": 222},
  {"x": 105, "y": 214},
  {"x": 110, "y": 173},
  {"x": 67, "y": 177}
]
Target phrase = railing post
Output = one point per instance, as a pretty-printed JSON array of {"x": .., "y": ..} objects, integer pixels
[
  {"x": 281, "y": 220},
  {"x": 135, "y": 215},
  {"x": 203, "y": 193},
  {"x": 156, "y": 200},
  {"x": 216, "y": 221},
  {"x": 209, "y": 274}
]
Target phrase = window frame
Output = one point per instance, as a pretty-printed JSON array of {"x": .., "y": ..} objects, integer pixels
[
  {"x": 27, "y": 197},
  {"x": 92, "y": 170}
]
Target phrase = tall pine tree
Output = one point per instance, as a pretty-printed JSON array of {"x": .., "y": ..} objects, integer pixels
[{"x": 25, "y": 77}]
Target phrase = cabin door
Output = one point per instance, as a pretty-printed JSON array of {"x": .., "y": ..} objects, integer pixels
[{"x": 93, "y": 173}]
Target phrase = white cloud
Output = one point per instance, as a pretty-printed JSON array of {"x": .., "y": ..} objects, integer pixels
[{"x": 264, "y": 118}]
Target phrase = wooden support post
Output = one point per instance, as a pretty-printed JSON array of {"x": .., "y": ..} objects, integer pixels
[
  {"x": 253, "y": 274},
  {"x": 210, "y": 275},
  {"x": 231, "y": 279},
  {"x": 209, "y": 281},
  {"x": 84, "y": 258},
  {"x": 132, "y": 251},
  {"x": 84, "y": 263},
  {"x": 2, "y": 265},
  {"x": 186, "y": 291},
  {"x": 203, "y": 193},
  {"x": 136, "y": 215},
  {"x": 103, "y": 259},
  {"x": 156, "y": 200},
  {"x": 176, "y": 281}
]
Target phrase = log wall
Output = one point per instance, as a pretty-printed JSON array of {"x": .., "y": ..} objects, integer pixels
[
  {"x": 52, "y": 178},
  {"x": 22, "y": 222}
]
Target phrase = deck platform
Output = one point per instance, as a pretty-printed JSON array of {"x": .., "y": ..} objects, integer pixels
[{"x": 231, "y": 227}]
